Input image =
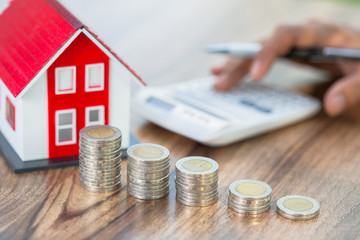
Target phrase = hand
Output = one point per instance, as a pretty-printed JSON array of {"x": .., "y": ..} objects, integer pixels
[{"x": 343, "y": 94}]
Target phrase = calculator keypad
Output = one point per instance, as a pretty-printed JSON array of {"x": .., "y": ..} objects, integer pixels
[{"x": 254, "y": 96}]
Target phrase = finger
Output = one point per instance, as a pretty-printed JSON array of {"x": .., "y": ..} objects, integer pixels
[
  {"x": 311, "y": 34},
  {"x": 332, "y": 68},
  {"x": 343, "y": 94},
  {"x": 233, "y": 74},
  {"x": 216, "y": 70},
  {"x": 279, "y": 44}
]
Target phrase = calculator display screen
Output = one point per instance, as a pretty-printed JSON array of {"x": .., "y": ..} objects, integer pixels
[{"x": 160, "y": 103}]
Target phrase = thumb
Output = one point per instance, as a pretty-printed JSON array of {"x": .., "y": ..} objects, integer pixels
[{"x": 343, "y": 94}]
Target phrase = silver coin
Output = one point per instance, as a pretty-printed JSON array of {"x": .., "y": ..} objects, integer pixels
[
  {"x": 100, "y": 173},
  {"x": 152, "y": 162},
  {"x": 149, "y": 170},
  {"x": 192, "y": 183},
  {"x": 148, "y": 167},
  {"x": 99, "y": 152},
  {"x": 94, "y": 186},
  {"x": 99, "y": 167},
  {"x": 100, "y": 158},
  {"x": 250, "y": 203},
  {"x": 100, "y": 133},
  {"x": 99, "y": 141},
  {"x": 101, "y": 182},
  {"x": 147, "y": 187},
  {"x": 189, "y": 187},
  {"x": 148, "y": 176},
  {"x": 249, "y": 190},
  {"x": 148, "y": 195},
  {"x": 195, "y": 203},
  {"x": 248, "y": 208},
  {"x": 148, "y": 191},
  {"x": 249, "y": 212},
  {"x": 153, "y": 181},
  {"x": 199, "y": 196},
  {"x": 92, "y": 165},
  {"x": 99, "y": 155},
  {"x": 197, "y": 166},
  {"x": 197, "y": 193},
  {"x": 101, "y": 189},
  {"x": 99, "y": 178},
  {"x": 100, "y": 145},
  {"x": 197, "y": 180},
  {"x": 148, "y": 152},
  {"x": 99, "y": 162},
  {"x": 297, "y": 207}
]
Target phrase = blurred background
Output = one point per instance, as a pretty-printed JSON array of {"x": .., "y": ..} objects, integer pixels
[{"x": 164, "y": 40}]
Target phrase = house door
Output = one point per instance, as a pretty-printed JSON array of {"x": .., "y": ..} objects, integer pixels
[{"x": 78, "y": 95}]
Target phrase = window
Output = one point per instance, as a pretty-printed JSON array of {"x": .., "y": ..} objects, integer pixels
[
  {"x": 94, "y": 115},
  {"x": 65, "y": 80},
  {"x": 65, "y": 127},
  {"x": 10, "y": 113},
  {"x": 94, "y": 77}
]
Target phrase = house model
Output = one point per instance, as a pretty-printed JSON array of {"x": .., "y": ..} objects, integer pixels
[{"x": 56, "y": 77}]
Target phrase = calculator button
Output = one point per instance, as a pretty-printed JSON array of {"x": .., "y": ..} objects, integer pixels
[
  {"x": 263, "y": 109},
  {"x": 247, "y": 102}
]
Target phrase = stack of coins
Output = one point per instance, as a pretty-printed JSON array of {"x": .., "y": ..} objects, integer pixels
[
  {"x": 100, "y": 158},
  {"x": 196, "y": 181},
  {"x": 296, "y": 207},
  {"x": 249, "y": 197},
  {"x": 148, "y": 168}
]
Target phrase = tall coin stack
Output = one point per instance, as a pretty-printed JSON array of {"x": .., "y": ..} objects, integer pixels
[
  {"x": 249, "y": 197},
  {"x": 196, "y": 181},
  {"x": 100, "y": 158},
  {"x": 148, "y": 168}
]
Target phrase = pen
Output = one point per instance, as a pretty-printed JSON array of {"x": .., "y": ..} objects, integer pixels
[{"x": 326, "y": 54}]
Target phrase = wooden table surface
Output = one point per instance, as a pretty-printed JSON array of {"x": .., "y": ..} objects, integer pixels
[{"x": 319, "y": 157}]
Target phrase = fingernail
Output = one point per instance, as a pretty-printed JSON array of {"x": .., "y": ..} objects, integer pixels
[
  {"x": 218, "y": 83},
  {"x": 339, "y": 103},
  {"x": 255, "y": 68}
]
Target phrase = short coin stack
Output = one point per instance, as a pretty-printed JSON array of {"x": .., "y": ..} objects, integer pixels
[
  {"x": 249, "y": 197},
  {"x": 100, "y": 158},
  {"x": 148, "y": 168},
  {"x": 297, "y": 207},
  {"x": 196, "y": 181}
]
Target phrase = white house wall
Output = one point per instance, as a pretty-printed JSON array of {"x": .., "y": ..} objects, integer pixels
[
  {"x": 35, "y": 124},
  {"x": 13, "y": 137},
  {"x": 119, "y": 100}
]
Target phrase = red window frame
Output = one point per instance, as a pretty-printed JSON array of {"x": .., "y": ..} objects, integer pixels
[{"x": 10, "y": 104}]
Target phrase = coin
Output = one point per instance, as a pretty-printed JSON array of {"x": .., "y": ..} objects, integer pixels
[
  {"x": 297, "y": 207},
  {"x": 100, "y": 133},
  {"x": 196, "y": 181},
  {"x": 148, "y": 152},
  {"x": 100, "y": 158},
  {"x": 199, "y": 203},
  {"x": 197, "y": 166},
  {"x": 101, "y": 189},
  {"x": 148, "y": 171},
  {"x": 249, "y": 196}
]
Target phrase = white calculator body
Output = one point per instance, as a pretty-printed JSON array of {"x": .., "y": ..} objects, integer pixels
[{"x": 195, "y": 110}]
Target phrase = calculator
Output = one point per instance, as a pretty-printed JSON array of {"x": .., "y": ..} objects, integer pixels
[{"x": 194, "y": 109}]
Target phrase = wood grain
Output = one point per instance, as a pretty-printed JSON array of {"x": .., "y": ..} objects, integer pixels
[{"x": 319, "y": 158}]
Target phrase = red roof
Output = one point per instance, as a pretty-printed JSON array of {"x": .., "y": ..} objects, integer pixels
[{"x": 31, "y": 33}]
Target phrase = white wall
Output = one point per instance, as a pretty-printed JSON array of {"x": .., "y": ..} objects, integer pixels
[
  {"x": 13, "y": 137},
  {"x": 119, "y": 100},
  {"x": 35, "y": 124}
]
